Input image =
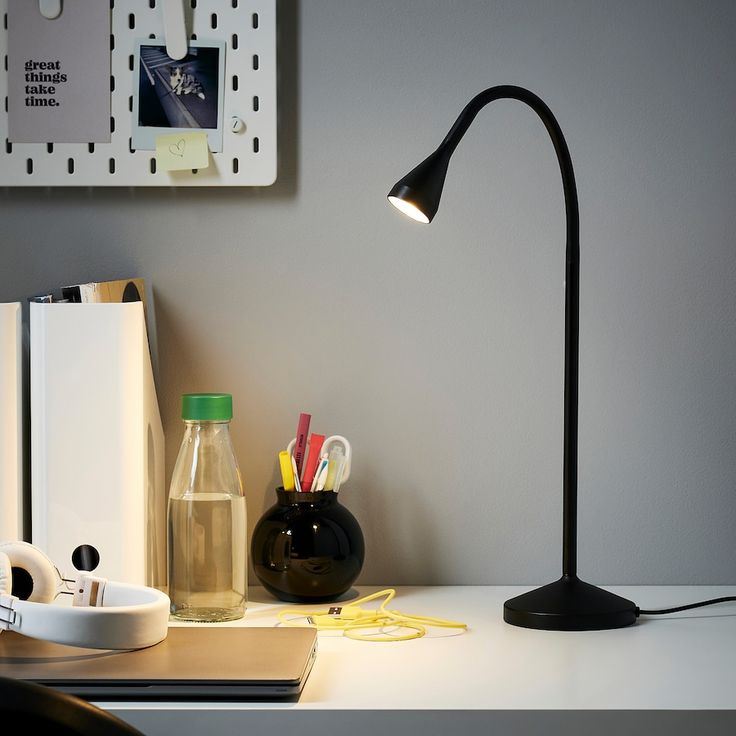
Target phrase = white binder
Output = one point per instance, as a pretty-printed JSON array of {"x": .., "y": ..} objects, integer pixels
[
  {"x": 11, "y": 417},
  {"x": 97, "y": 445}
]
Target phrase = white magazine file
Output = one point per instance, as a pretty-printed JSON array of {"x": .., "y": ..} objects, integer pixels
[
  {"x": 97, "y": 444},
  {"x": 11, "y": 418}
]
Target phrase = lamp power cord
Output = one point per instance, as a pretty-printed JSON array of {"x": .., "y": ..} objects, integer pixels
[{"x": 687, "y": 607}]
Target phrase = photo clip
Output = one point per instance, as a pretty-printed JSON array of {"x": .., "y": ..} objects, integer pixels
[
  {"x": 175, "y": 30},
  {"x": 50, "y": 9}
]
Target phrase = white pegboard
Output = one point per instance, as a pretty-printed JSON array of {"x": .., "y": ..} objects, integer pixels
[{"x": 248, "y": 158}]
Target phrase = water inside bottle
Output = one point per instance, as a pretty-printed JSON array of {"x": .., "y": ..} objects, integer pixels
[{"x": 206, "y": 582}]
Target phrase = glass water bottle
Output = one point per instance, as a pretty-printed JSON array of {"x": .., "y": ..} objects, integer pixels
[{"x": 207, "y": 516}]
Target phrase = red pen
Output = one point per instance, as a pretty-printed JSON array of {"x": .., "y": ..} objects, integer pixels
[
  {"x": 300, "y": 446},
  {"x": 315, "y": 445}
]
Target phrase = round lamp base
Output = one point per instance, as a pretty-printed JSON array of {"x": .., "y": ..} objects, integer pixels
[{"x": 569, "y": 604}]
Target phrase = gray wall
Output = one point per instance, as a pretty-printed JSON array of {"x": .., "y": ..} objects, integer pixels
[{"x": 438, "y": 350}]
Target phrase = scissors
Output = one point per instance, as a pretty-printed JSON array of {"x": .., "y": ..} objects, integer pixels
[{"x": 329, "y": 441}]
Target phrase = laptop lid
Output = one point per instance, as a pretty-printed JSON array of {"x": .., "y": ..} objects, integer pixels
[{"x": 201, "y": 662}]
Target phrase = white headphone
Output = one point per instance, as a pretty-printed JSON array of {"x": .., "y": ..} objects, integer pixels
[{"x": 104, "y": 615}]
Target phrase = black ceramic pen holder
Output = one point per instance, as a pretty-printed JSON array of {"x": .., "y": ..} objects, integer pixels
[{"x": 307, "y": 548}]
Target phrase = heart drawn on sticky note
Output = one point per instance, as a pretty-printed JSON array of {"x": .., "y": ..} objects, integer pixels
[
  {"x": 182, "y": 150},
  {"x": 178, "y": 148}
]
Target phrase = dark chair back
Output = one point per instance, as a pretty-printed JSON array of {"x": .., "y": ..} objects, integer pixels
[{"x": 56, "y": 712}]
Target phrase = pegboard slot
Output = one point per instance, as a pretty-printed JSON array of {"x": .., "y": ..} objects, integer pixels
[
  {"x": 111, "y": 165},
  {"x": 236, "y": 166},
  {"x": 235, "y": 82},
  {"x": 233, "y": 44},
  {"x": 49, "y": 148},
  {"x": 152, "y": 165},
  {"x": 91, "y": 147},
  {"x": 256, "y": 103},
  {"x": 254, "y": 20},
  {"x": 131, "y": 21},
  {"x": 29, "y": 166},
  {"x": 70, "y": 166},
  {"x": 256, "y": 62},
  {"x": 256, "y": 145},
  {"x": 213, "y": 20}
]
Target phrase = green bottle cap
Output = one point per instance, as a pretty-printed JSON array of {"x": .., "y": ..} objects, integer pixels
[{"x": 207, "y": 407}]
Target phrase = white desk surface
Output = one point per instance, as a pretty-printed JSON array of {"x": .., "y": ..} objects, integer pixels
[{"x": 680, "y": 662}]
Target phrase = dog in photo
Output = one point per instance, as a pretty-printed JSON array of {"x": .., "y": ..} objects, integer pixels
[{"x": 184, "y": 83}]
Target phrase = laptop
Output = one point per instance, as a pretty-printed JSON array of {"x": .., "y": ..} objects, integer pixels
[{"x": 205, "y": 663}]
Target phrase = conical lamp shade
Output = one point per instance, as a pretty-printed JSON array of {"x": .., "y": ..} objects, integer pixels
[{"x": 418, "y": 193}]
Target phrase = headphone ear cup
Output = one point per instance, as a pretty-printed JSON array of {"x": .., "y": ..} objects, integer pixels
[
  {"x": 34, "y": 573},
  {"x": 6, "y": 574}
]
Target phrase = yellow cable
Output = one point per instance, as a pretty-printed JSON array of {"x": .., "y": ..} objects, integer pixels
[{"x": 351, "y": 619}]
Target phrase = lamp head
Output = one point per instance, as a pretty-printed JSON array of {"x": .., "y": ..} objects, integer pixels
[{"x": 418, "y": 193}]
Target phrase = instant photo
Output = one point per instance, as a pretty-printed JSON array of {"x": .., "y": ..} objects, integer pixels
[{"x": 178, "y": 96}]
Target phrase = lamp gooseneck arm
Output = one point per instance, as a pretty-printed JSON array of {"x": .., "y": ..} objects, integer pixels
[{"x": 572, "y": 294}]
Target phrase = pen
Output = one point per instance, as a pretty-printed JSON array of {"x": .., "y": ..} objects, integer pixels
[
  {"x": 337, "y": 456},
  {"x": 297, "y": 484},
  {"x": 318, "y": 484},
  {"x": 327, "y": 446},
  {"x": 315, "y": 447},
  {"x": 287, "y": 473},
  {"x": 339, "y": 470},
  {"x": 302, "y": 431}
]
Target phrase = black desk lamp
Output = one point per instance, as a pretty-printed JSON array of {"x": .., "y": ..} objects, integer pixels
[{"x": 567, "y": 604}]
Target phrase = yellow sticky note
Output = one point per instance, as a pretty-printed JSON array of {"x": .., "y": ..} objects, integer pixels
[{"x": 178, "y": 151}]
